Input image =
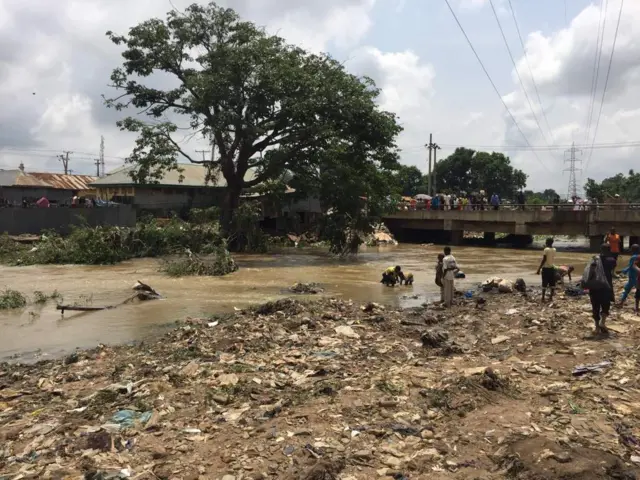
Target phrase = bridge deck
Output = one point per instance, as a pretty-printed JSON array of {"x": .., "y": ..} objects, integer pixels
[{"x": 528, "y": 222}]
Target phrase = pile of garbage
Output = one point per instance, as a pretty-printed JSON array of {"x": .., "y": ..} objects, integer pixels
[
  {"x": 503, "y": 285},
  {"x": 381, "y": 235},
  {"x": 306, "y": 288},
  {"x": 334, "y": 390}
]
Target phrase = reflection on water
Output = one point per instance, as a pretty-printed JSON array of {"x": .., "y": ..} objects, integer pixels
[{"x": 260, "y": 278}]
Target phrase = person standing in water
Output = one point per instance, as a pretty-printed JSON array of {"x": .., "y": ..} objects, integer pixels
[
  {"x": 449, "y": 268},
  {"x": 548, "y": 269}
]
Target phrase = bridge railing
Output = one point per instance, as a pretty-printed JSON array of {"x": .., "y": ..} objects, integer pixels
[{"x": 524, "y": 207}]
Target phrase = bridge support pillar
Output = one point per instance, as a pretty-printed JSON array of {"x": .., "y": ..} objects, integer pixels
[
  {"x": 490, "y": 237},
  {"x": 595, "y": 241},
  {"x": 456, "y": 237}
]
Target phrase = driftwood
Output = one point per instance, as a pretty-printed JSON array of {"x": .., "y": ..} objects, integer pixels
[
  {"x": 80, "y": 308},
  {"x": 143, "y": 292}
]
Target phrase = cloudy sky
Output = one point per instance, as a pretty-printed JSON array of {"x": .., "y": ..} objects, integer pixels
[{"x": 55, "y": 63}]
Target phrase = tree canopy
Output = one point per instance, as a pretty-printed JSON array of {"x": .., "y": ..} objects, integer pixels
[
  {"x": 409, "y": 180},
  {"x": 627, "y": 186},
  {"x": 470, "y": 171},
  {"x": 266, "y": 106},
  {"x": 546, "y": 197}
]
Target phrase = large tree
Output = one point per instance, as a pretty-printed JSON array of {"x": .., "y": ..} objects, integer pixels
[
  {"x": 268, "y": 107},
  {"x": 627, "y": 186},
  {"x": 470, "y": 171}
]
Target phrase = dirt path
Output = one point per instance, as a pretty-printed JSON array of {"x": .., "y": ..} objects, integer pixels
[{"x": 332, "y": 390}]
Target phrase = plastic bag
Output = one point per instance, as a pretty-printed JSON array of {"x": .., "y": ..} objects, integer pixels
[{"x": 596, "y": 280}]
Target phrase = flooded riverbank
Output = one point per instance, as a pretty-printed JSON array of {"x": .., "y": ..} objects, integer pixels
[{"x": 41, "y": 332}]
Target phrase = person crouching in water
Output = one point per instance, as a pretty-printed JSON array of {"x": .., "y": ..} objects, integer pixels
[
  {"x": 563, "y": 271},
  {"x": 392, "y": 275}
]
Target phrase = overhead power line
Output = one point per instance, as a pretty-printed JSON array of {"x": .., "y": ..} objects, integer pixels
[
  {"x": 602, "y": 21},
  {"x": 515, "y": 67},
  {"x": 455, "y": 17},
  {"x": 598, "y": 146},
  {"x": 533, "y": 80},
  {"x": 606, "y": 82}
]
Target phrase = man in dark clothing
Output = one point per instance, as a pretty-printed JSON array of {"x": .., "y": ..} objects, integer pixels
[
  {"x": 521, "y": 200},
  {"x": 601, "y": 294}
]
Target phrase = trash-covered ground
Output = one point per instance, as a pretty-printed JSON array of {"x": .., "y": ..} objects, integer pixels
[{"x": 496, "y": 388}]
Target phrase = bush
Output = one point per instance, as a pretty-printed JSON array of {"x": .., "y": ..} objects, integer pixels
[
  {"x": 218, "y": 264},
  {"x": 109, "y": 245},
  {"x": 10, "y": 299}
]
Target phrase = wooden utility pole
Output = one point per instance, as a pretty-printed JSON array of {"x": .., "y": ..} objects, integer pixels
[
  {"x": 203, "y": 152},
  {"x": 429, "y": 172},
  {"x": 64, "y": 158},
  {"x": 97, "y": 162},
  {"x": 433, "y": 147}
]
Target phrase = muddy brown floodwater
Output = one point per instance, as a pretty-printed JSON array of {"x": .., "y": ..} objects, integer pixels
[{"x": 41, "y": 332}]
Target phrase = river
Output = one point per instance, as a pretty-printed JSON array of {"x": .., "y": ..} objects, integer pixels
[{"x": 41, "y": 332}]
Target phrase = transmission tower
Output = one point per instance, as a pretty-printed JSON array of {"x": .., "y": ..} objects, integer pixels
[
  {"x": 101, "y": 172},
  {"x": 572, "y": 160}
]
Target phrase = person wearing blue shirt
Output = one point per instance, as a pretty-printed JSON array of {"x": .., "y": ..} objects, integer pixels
[{"x": 633, "y": 276}]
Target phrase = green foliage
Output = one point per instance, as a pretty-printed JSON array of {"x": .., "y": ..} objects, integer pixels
[
  {"x": 246, "y": 235},
  {"x": 201, "y": 216},
  {"x": 10, "y": 299},
  {"x": 109, "y": 245},
  {"x": 269, "y": 107},
  {"x": 471, "y": 171},
  {"x": 218, "y": 263},
  {"x": 409, "y": 180},
  {"x": 540, "y": 198},
  {"x": 627, "y": 186},
  {"x": 40, "y": 298}
]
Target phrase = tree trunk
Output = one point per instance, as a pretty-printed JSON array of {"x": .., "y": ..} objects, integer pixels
[{"x": 231, "y": 202}]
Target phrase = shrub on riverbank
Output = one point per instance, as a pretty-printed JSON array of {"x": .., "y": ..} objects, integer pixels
[
  {"x": 109, "y": 245},
  {"x": 219, "y": 263},
  {"x": 10, "y": 299}
]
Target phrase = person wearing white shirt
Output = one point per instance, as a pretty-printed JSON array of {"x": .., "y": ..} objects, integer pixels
[{"x": 449, "y": 269}]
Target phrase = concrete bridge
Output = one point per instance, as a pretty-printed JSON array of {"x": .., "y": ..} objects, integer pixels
[{"x": 591, "y": 223}]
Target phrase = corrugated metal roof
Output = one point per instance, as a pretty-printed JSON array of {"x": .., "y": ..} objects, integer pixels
[
  {"x": 18, "y": 178},
  {"x": 193, "y": 176},
  {"x": 65, "y": 182}
]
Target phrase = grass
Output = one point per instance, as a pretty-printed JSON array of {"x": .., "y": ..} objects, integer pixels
[
  {"x": 40, "y": 298},
  {"x": 220, "y": 263},
  {"x": 389, "y": 387},
  {"x": 11, "y": 299}
]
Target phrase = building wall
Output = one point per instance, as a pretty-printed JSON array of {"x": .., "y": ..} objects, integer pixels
[
  {"x": 16, "y": 194},
  {"x": 164, "y": 198},
  {"x": 16, "y": 221}
]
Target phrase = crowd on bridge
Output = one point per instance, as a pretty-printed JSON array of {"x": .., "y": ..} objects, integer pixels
[{"x": 481, "y": 201}]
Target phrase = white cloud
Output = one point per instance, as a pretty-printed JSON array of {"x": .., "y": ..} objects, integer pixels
[
  {"x": 55, "y": 62},
  {"x": 562, "y": 65}
]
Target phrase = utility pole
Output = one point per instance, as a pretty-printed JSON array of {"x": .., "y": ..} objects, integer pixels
[
  {"x": 97, "y": 162},
  {"x": 101, "y": 167},
  {"x": 572, "y": 160},
  {"x": 433, "y": 147},
  {"x": 428, "y": 145},
  {"x": 64, "y": 158},
  {"x": 203, "y": 152}
]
